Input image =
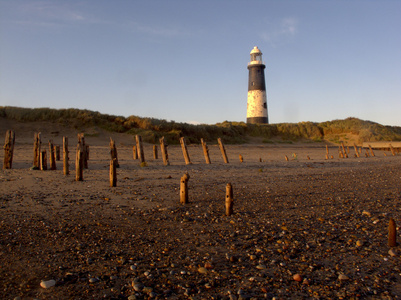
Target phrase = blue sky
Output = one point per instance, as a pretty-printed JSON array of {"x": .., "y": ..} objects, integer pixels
[{"x": 187, "y": 60}]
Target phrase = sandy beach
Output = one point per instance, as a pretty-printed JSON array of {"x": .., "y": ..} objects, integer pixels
[{"x": 301, "y": 229}]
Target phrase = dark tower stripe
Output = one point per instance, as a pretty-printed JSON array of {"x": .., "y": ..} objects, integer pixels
[
  {"x": 256, "y": 77},
  {"x": 257, "y": 120}
]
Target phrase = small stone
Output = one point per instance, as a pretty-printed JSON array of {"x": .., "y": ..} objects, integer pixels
[
  {"x": 392, "y": 253},
  {"x": 152, "y": 295},
  {"x": 132, "y": 297},
  {"x": 252, "y": 257},
  {"x": 343, "y": 277},
  {"x": 306, "y": 282},
  {"x": 261, "y": 267},
  {"x": 132, "y": 267},
  {"x": 366, "y": 213},
  {"x": 93, "y": 280},
  {"x": 359, "y": 243},
  {"x": 138, "y": 287},
  {"x": 48, "y": 283},
  {"x": 208, "y": 266},
  {"x": 202, "y": 270},
  {"x": 297, "y": 277}
]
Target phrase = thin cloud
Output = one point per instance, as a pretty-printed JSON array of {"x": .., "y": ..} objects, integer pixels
[
  {"x": 285, "y": 28},
  {"x": 49, "y": 14}
]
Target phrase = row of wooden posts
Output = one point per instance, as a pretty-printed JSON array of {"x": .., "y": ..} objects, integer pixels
[
  {"x": 344, "y": 152},
  {"x": 40, "y": 155}
]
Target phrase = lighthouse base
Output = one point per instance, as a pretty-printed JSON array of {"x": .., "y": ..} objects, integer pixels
[{"x": 257, "y": 120}]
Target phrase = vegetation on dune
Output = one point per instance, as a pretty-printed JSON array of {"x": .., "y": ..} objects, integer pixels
[{"x": 231, "y": 132}]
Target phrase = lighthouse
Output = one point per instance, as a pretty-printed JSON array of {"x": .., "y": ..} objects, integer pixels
[{"x": 257, "y": 100}]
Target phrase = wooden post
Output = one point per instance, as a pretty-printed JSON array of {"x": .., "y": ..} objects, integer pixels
[
  {"x": 343, "y": 148},
  {"x": 155, "y": 156},
  {"x": 371, "y": 150},
  {"x": 356, "y": 150},
  {"x": 134, "y": 152},
  {"x": 113, "y": 152},
  {"x": 286, "y": 158},
  {"x": 57, "y": 152},
  {"x": 205, "y": 151},
  {"x": 79, "y": 164},
  {"x": 229, "y": 199},
  {"x": 81, "y": 140},
  {"x": 392, "y": 233},
  {"x": 327, "y": 152},
  {"x": 52, "y": 156},
  {"x": 36, "y": 150},
  {"x": 139, "y": 148},
  {"x": 43, "y": 160},
  {"x": 185, "y": 150},
  {"x": 163, "y": 149},
  {"x": 9, "y": 149},
  {"x": 66, "y": 170},
  {"x": 392, "y": 150},
  {"x": 308, "y": 157},
  {"x": 223, "y": 150},
  {"x": 241, "y": 159},
  {"x": 113, "y": 173},
  {"x": 340, "y": 152},
  {"x": 184, "y": 188}
]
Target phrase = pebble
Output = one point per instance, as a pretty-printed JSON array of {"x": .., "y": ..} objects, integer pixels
[
  {"x": 93, "y": 280},
  {"x": 48, "y": 283},
  {"x": 359, "y": 243},
  {"x": 261, "y": 267},
  {"x": 392, "y": 253},
  {"x": 297, "y": 277},
  {"x": 202, "y": 270},
  {"x": 343, "y": 277},
  {"x": 138, "y": 286}
]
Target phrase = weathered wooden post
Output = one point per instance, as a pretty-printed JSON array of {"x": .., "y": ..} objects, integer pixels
[
  {"x": 184, "y": 188},
  {"x": 139, "y": 148},
  {"x": 9, "y": 149},
  {"x": 392, "y": 150},
  {"x": 113, "y": 173},
  {"x": 185, "y": 150},
  {"x": 66, "y": 169},
  {"x": 36, "y": 150},
  {"x": 371, "y": 150},
  {"x": 163, "y": 149},
  {"x": 79, "y": 164},
  {"x": 52, "y": 156},
  {"x": 229, "y": 199},
  {"x": 241, "y": 159},
  {"x": 327, "y": 152},
  {"x": 392, "y": 233},
  {"x": 205, "y": 151},
  {"x": 134, "y": 152},
  {"x": 57, "y": 151},
  {"x": 223, "y": 150},
  {"x": 286, "y": 158},
  {"x": 155, "y": 156},
  {"x": 43, "y": 160},
  {"x": 81, "y": 140},
  {"x": 340, "y": 152},
  {"x": 344, "y": 151},
  {"x": 113, "y": 152},
  {"x": 356, "y": 150}
]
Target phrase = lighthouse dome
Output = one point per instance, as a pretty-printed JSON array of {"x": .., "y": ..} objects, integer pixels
[{"x": 255, "y": 50}]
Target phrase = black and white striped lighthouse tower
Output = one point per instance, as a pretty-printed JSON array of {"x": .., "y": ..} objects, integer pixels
[{"x": 257, "y": 100}]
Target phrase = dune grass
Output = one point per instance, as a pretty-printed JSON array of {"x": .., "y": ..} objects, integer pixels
[{"x": 152, "y": 129}]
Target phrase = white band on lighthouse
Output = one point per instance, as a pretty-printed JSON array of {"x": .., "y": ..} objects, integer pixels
[{"x": 257, "y": 104}]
